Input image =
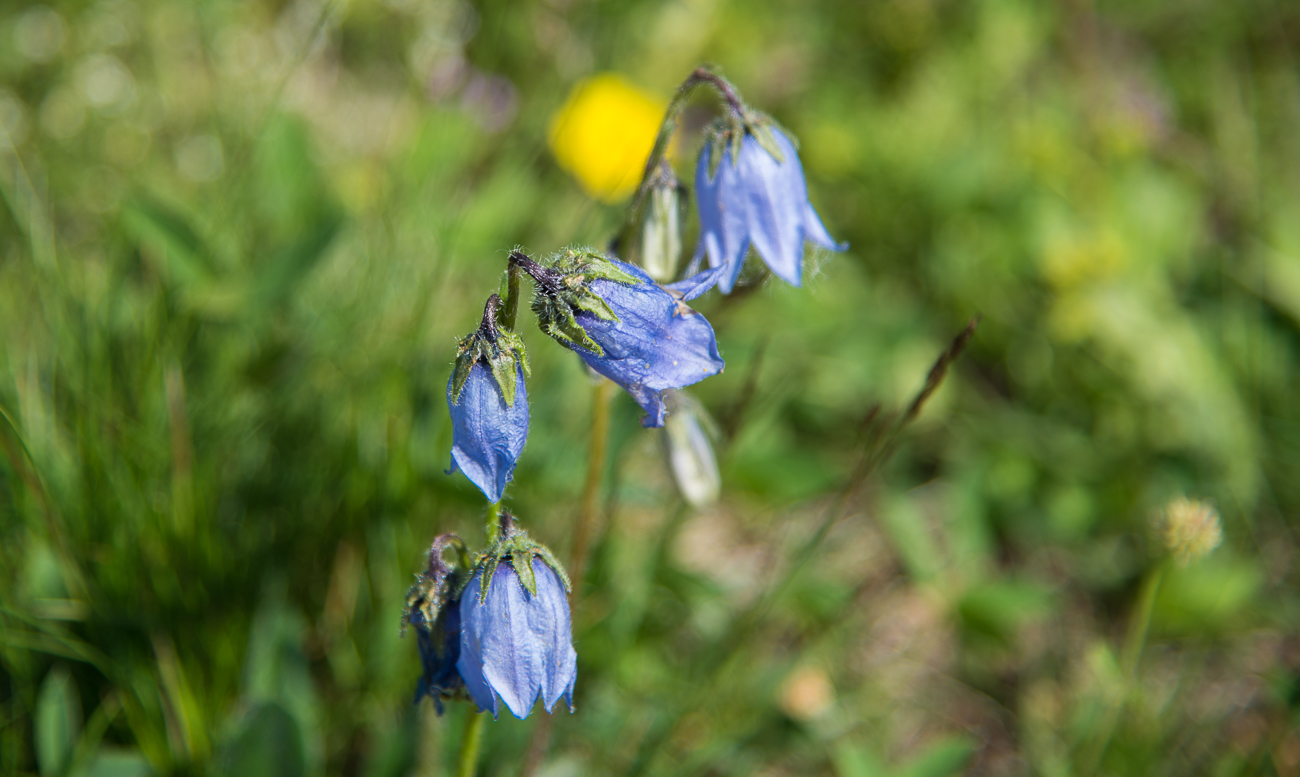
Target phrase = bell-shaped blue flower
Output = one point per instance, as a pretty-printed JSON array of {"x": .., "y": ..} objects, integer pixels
[
  {"x": 515, "y": 641},
  {"x": 625, "y": 326},
  {"x": 488, "y": 404},
  {"x": 749, "y": 189}
]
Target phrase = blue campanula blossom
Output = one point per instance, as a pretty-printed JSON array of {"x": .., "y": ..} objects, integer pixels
[
  {"x": 749, "y": 189},
  {"x": 515, "y": 641},
  {"x": 488, "y": 404},
  {"x": 625, "y": 326},
  {"x": 435, "y": 615},
  {"x": 439, "y": 651}
]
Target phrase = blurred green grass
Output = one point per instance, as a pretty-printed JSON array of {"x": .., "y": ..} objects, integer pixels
[{"x": 239, "y": 239}]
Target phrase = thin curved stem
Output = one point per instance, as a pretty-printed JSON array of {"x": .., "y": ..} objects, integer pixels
[
  {"x": 702, "y": 75},
  {"x": 511, "y": 309},
  {"x": 469, "y": 744}
]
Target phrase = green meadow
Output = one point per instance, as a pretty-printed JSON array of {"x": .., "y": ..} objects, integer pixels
[{"x": 240, "y": 238}]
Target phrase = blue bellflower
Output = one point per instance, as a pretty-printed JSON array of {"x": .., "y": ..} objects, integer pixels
[
  {"x": 435, "y": 615},
  {"x": 755, "y": 194},
  {"x": 439, "y": 651},
  {"x": 625, "y": 326},
  {"x": 489, "y": 405},
  {"x": 515, "y": 644}
]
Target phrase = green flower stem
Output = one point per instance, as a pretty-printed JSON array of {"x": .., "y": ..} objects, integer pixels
[
  {"x": 702, "y": 75},
  {"x": 596, "y": 445},
  {"x": 469, "y": 743},
  {"x": 511, "y": 309},
  {"x": 598, "y": 441},
  {"x": 492, "y": 523},
  {"x": 1136, "y": 639},
  {"x": 1130, "y": 659}
]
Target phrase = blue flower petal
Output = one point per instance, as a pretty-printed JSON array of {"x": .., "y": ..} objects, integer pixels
[
  {"x": 439, "y": 646},
  {"x": 515, "y": 646},
  {"x": 487, "y": 436},
  {"x": 756, "y": 199},
  {"x": 697, "y": 284},
  {"x": 657, "y": 343}
]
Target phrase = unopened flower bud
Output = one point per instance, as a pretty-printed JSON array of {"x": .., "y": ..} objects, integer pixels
[
  {"x": 690, "y": 450},
  {"x": 661, "y": 233},
  {"x": 1189, "y": 528}
]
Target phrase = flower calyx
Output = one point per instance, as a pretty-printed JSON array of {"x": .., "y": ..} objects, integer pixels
[
  {"x": 515, "y": 547},
  {"x": 498, "y": 348},
  {"x": 563, "y": 290},
  {"x": 437, "y": 585},
  {"x": 727, "y": 132}
]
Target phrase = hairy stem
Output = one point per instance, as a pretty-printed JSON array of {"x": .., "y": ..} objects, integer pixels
[
  {"x": 511, "y": 309},
  {"x": 492, "y": 523}
]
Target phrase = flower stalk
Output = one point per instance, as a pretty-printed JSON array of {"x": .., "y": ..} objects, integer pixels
[{"x": 470, "y": 743}]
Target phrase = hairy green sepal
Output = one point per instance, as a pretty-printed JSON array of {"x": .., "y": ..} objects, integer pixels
[
  {"x": 727, "y": 132},
  {"x": 564, "y": 289},
  {"x": 434, "y": 587},
  {"x": 516, "y": 548},
  {"x": 496, "y": 347}
]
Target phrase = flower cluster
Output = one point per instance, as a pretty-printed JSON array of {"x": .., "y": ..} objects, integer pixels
[{"x": 497, "y": 631}]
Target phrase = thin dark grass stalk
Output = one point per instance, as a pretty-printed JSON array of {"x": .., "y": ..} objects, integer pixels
[{"x": 704, "y": 672}]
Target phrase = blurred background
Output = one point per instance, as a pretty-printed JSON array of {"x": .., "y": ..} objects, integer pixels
[{"x": 237, "y": 243}]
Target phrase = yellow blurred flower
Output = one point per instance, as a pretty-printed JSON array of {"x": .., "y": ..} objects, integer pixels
[{"x": 603, "y": 134}]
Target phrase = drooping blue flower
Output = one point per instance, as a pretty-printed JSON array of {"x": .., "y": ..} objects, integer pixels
[
  {"x": 434, "y": 612},
  {"x": 488, "y": 405},
  {"x": 515, "y": 644},
  {"x": 625, "y": 326},
  {"x": 439, "y": 646},
  {"x": 754, "y": 193}
]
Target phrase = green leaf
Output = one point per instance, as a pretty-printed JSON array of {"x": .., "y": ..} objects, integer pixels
[
  {"x": 852, "y": 761},
  {"x": 286, "y": 269},
  {"x": 58, "y": 721},
  {"x": 997, "y": 609},
  {"x": 168, "y": 234},
  {"x": 947, "y": 757},
  {"x": 907, "y": 527},
  {"x": 268, "y": 743},
  {"x": 118, "y": 762}
]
